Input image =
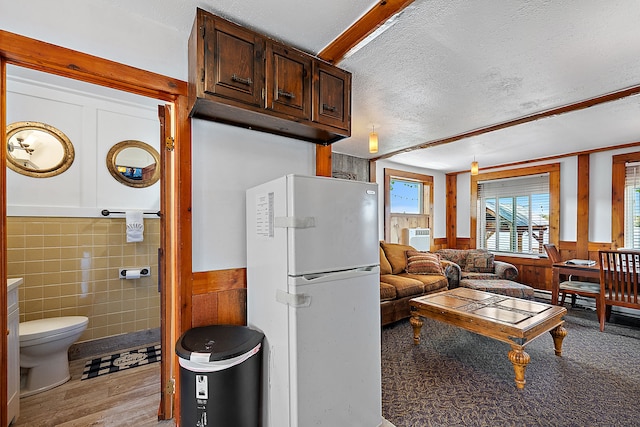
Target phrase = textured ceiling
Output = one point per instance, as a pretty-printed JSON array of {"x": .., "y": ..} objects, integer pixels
[{"x": 448, "y": 67}]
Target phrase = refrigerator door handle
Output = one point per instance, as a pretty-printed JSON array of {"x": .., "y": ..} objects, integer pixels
[
  {"x": 309, "y": 279},
  {"x": 294, "y": 222},
  {"x": 293, "y": 300}
]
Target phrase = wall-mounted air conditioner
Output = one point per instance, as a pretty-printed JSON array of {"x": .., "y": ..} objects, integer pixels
[{"x": 419, "y": 238}]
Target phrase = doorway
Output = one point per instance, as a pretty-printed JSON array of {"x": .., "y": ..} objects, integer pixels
[{"x": 33, "y": 54}]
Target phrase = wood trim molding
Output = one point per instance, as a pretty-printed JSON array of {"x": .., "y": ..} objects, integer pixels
[
  {"x": 623, "y": 93},
  {"x": 388, "y": 174},
  {"x": 618, "y": 174},
  {"x": 219, "y": 297},
  {"x": 452, "y": 210},
  {"x": 367, "y": 24},
  {"x": 45, "y": 57},
  {"x": 554, "y": 202},
  {"x": 323, "y": 160},
  {"x": 3, "y": 252},
  {"x": 219, "y": 280},
  {"x": 41, "y": 56},
  {"x": 582, "y": 220}
]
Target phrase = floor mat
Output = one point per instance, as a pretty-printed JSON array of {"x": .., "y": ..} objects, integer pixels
[{"x": 121, "y": 361}]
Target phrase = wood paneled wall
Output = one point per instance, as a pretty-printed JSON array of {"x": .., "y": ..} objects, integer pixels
[{"x": 219, "y": 297}]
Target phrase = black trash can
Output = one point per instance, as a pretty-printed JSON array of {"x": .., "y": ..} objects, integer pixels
[{"x": 220, "y": 376}]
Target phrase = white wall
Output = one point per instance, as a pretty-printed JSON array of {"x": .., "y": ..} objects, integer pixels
[
  {"x": 599, "y": 196},
  {"x": 227, "y": 161},
  {"x": 439, "y": 196},
  {"x": 568, "y": 198},
  {"x": 93, "y": 124},
  {"x": 101, "y": 29}
]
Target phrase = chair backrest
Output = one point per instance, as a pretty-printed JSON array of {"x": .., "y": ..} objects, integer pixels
[
  {"x": 619, "y": 278},
  {"x": 552, "y": 252}
]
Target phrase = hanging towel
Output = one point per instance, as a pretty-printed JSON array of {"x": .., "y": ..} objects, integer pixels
[{"x": 135, "y": 226}]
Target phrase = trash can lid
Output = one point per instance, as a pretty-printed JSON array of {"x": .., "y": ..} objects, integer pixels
[{"x": 221, "y": 342}]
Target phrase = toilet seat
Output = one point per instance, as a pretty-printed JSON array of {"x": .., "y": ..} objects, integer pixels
[{"x": 39, "y": 331}]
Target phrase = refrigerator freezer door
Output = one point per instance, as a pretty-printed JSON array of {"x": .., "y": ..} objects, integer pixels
[
  {"x": 335, "y": 351},
  {"x": 333, "y": 224}
]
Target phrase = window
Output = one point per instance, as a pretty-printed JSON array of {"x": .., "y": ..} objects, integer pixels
[
  {"x": 516, "y": 211},
  {"x": 514, "y": 214},
  {"x": 632, "y": 206},
  {"x": 408, "y": 203},
  {"x": 405, "y": 197},
  {"x": 623, "y": 199}
]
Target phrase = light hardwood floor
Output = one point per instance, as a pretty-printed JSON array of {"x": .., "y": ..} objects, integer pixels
[{"x": 127, "y": 398}]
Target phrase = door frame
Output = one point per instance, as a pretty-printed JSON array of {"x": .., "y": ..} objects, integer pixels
[{"x": 176, "y": 208}]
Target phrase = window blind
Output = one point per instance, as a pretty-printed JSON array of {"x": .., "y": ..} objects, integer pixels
[
  {"x": 537, "y": 184},
  {"x": 632, "y": 205},
  {"x": 513, "y": 214}
]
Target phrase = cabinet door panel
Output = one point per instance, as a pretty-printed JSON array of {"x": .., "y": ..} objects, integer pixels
[
  {"x": 288, "y": 81},
  {"x": 234, "y": 65},
  {"x": 332, "y": 96}
]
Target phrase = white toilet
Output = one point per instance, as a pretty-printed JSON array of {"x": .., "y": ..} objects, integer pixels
[{"x": 44, "y": 346}]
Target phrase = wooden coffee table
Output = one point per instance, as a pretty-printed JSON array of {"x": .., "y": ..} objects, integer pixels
[{"x": 512, "y": 320}]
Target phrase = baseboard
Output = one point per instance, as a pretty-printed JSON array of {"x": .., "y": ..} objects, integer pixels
[
  {"x": 92, "y": 348},
  {"x": 588, "y": 303}
]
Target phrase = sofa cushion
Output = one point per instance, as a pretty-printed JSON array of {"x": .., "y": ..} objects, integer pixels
[
  {"x": 502, "y": 287},
  {"x": 395, "y": 253},
  {"x": 387, "y": 292},
  {"x": 479, "y": 261},
  {"x": 385, "y": 267},
  {"x": 457, "y": 256},
  {"x": 431, "y": 282},
  {"x": 419, "y": 262},
  {"x": 405, "y": 286},
  {"x": 479, "y": 276}
]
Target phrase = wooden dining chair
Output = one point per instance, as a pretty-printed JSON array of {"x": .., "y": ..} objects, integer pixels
[
  {"x": 573, "y": 287},
  {"x": 619, "y": 278}
]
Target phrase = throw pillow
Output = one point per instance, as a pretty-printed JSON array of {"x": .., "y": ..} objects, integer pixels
[
  {"x": 423, "y": 263},
  {"x": 479, "y": 261},
  {"x": 395, "y": 253},
  {"x": 385, "y": 267}
]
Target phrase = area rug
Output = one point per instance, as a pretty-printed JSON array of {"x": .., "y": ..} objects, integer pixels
[
  {"x": 121, "y": 361},
  {"x": 458, "y": 378}
]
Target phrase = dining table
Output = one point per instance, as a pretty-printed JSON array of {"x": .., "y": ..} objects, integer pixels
[{"x": 567, "y": 268}]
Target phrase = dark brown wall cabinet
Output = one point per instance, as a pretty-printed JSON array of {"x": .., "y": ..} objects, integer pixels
[{"x": 242, "y": 78}]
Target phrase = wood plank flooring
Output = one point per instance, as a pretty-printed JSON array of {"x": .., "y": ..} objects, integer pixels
[
  {"x": 122, "y": 399},
  {"x": 127, "y": 398}
]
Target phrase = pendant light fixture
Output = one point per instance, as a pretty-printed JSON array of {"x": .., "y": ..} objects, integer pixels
[
  {"x": 474, "y": 167},
  {"x": 373, "y": 141}
]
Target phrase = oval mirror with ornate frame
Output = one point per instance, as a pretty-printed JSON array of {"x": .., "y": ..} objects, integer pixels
[
  {"x": 38, "y": 150},
  {"x": 134, "y": 163}
]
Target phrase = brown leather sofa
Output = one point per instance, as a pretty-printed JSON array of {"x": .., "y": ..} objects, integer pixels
[{"x": 397, "y": 286}]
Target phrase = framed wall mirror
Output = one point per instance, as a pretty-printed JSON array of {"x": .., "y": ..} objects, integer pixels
[
  {"x": 38, "y": 150},
  {"x": 134, "y": 163}
]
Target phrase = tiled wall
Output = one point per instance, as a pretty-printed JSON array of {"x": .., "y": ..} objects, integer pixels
[{"x": 70, "y": 267}]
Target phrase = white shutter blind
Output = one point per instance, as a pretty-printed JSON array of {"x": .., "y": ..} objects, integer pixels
[
  {"x": 538, "y": 184},
  {"x": 513, "y": 214},
  {"x": 632, "y": 206}
]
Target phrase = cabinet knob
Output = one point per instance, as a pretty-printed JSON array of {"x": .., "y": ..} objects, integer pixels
[
  {"x": 329, "y": 108},
  {"x": 246, "y": 81},
  {"x": 289, "y": 95}
]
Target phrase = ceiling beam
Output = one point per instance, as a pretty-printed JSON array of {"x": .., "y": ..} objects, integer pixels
[
  {"x": 581, "y": 105},
  {"x": 367, "y": 24}
]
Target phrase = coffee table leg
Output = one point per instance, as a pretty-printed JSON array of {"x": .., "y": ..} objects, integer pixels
[
  {"x": 416, "y": 324},
  {"x": 520, "y": 359},
  {"x": 558, "y": 334}
]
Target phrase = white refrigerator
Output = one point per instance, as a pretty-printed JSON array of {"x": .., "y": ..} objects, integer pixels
[{"x": 313, "y": 289}]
